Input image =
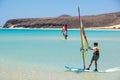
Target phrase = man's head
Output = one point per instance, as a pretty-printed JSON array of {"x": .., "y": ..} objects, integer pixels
[{"x": 95, "y": 44}]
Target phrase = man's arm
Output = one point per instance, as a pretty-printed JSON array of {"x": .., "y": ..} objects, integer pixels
[{"x": 90, "y": 48}]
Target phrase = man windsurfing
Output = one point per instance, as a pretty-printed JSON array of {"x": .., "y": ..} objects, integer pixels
[
  {"x": 95, "y": 56},
  {"x": 64, "y": 31}
]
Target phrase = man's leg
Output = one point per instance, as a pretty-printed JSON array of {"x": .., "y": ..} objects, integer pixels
[
  {"x": 96, "y": 65},
  {"x": 90, "y": 64}
]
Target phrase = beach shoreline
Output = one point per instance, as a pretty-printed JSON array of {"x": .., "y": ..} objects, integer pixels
[{"x": 114, "y": 27}]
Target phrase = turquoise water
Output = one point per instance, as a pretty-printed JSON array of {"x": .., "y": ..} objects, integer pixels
[{"x": 47, "y": 48}]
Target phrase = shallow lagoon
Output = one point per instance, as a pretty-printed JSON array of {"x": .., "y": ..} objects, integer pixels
[{"x": 29, "y": 53}]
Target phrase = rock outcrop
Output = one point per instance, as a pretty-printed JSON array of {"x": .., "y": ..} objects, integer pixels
[{"x": 73, "y": 22}]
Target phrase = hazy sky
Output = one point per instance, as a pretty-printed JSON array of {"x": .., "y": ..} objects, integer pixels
[{"x": 12, "y": 9}]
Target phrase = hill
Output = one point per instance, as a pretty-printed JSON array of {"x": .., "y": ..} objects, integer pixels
[{"x": 102, "y": 20}]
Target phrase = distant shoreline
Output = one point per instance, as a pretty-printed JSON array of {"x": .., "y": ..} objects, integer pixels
[
  {"x": 101, "y": 28},
  {"x": 114, "y": 27}
]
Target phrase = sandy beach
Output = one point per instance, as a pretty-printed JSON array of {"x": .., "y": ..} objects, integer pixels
[{"x": 114, "y": 27}]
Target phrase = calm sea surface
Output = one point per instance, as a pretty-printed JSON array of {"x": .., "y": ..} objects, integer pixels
[{"x": 45, "y": 52}]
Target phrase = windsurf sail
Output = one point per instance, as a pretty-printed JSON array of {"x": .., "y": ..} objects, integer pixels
[{"x": 84, "y": 41}]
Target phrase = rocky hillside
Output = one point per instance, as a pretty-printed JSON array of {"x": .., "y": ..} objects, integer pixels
[{"x": 73, "y": 22}]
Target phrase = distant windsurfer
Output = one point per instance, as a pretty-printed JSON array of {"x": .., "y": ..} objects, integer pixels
[
  {"x": 64, "y": 31},
  {"x": 95, "y": 56}
]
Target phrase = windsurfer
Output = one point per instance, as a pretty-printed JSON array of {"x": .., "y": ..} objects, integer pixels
[
  {"x": 64, "y": 31},
  {"x": 95, "y": 56}
]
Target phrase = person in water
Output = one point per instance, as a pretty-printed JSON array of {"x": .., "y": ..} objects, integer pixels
[
  {"x": 95, "y": 56},
  {"x": 64, "y": 31}
]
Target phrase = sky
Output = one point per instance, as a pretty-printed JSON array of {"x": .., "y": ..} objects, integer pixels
[{"x": 13, "y": 9}]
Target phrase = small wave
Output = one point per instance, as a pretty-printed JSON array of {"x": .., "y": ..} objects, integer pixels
[{"x": 116, "y": 69}]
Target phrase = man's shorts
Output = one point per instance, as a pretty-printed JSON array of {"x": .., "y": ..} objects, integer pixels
[
  {"x": 65, "y": 33},
  {"x": 95, "y": 58}
]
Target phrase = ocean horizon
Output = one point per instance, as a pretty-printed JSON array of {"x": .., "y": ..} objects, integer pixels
[{"x": 41, "y": 54}]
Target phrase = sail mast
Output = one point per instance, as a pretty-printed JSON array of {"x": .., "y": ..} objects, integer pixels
[
  {"x": 80, "y": 24},
  {"x": 83, "y": 39}
]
